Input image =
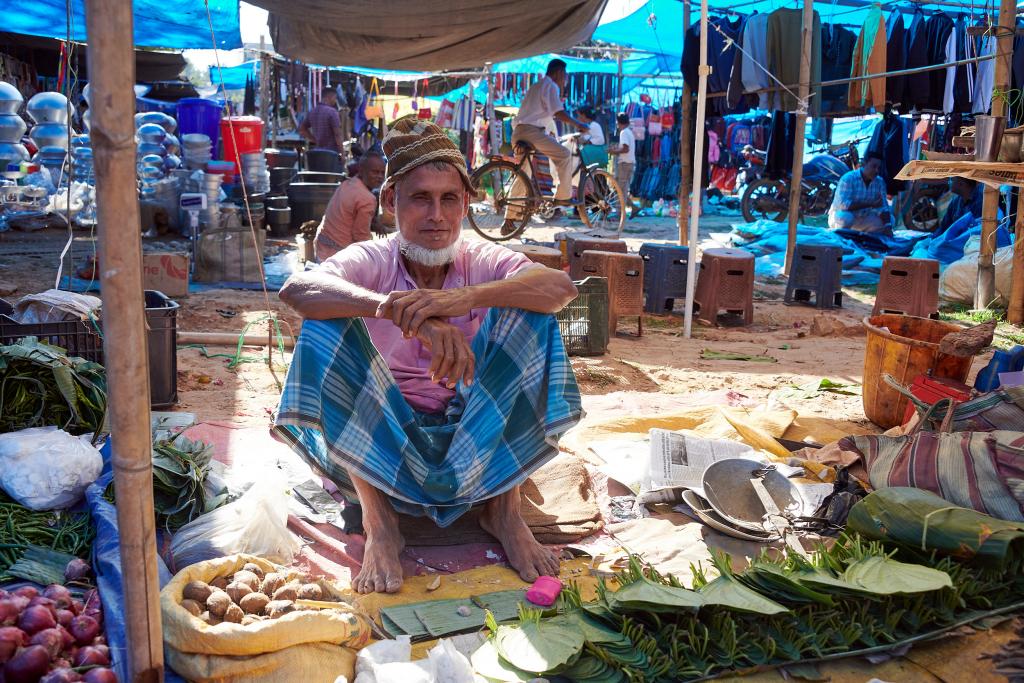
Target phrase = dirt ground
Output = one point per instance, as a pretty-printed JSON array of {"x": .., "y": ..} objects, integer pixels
[{"x": 217, "y": 383}]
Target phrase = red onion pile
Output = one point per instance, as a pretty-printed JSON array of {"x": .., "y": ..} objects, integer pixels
[{"x": 49, "y": 637}]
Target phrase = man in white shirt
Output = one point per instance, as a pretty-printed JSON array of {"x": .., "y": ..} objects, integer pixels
[
  {"x": 541, "y": 107},
  {"x": 625, "y": 159}
]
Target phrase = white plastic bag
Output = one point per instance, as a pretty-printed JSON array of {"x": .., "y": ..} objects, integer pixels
[
  {"x": 45, "y": 468},
  {"x": 388, "y": 661},
  {"x": 255, "y": 524},
  {"x": 959, "y": 279}
]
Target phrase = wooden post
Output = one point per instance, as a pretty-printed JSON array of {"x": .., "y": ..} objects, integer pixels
[
  {"x": 698, "y": 165},
  {"x": 985, "y": 294},
  {"x": 685, "y": 150},
  {"x": 264, "y": 92},
  {"x": 1015, "y": 312},
  {"x": 801, "y": 127},
  {"x": 618, "y": 84},
  {"x": 112, "y": 76},
  {"x": 492, "y": 120}
]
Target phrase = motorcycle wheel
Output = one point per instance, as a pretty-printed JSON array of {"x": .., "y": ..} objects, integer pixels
[
  {"x": 923, "y": 215},
  {"x": 821, "y": 200},
  {"x": 766, "y": 199}
]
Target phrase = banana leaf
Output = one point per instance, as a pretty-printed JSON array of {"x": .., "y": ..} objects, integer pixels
[{"x": 921, "y": 521}]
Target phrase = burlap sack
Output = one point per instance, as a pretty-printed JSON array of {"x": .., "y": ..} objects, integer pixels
[
  {"x": 307, "y": 645},
  {"x": 227, "y": 254}
]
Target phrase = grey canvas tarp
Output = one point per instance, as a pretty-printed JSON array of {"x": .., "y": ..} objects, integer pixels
[{"x": 425, "y": 35}]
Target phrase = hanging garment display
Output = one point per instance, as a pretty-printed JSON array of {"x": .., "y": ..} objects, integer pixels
[
  {"x": 1016, "y": 107},
  {"x": 937, "y": 28},
  {"x": 869, "y": 57},
  {"x": 896, "y": 57},
  {"x": 959, "y": 90},
  {"x": 755, "y": 56},
  {"x": 722, "y": 32},
  {"x": 783, "y": 44},
  {"x": 916, "y": 86},
  {"x": 779, "y": 162},
  {"x": 836, "y": 62},
  {"x": 891, "y": 141},
  {"x": 985, "y": 77}
]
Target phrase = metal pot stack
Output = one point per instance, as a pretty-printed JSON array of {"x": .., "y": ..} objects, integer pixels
[
  {"x": 12, "y": 127},
  {"x": 51, "y": 112}
]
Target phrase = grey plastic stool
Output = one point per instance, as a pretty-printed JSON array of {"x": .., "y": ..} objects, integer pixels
[
  {"x": 664, "y": 275},
  {"x": 817, "y": 272}
]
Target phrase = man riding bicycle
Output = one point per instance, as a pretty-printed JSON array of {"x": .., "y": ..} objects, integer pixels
[{"x": 541, "y": 106}]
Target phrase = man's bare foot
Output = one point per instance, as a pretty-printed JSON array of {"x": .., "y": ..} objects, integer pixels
[
  {"x": 382, "y": 570},
  {"x": 501, "y": 518}
]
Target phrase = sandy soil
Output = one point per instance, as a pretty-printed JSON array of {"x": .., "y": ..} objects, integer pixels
[{"x": 660, "y": 363}]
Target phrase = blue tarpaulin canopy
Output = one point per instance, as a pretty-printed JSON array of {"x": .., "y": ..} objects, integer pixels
[
  {"x": 181, "y": 24},
  {"x": 234, "y": 77}
]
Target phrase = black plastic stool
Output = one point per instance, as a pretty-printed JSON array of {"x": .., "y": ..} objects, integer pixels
[
  {"x": 818, "y": 271},
  {"x": 664, "y": 275}
]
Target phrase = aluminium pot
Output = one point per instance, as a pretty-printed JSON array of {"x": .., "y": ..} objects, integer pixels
[
  {"x": 12, "y": 127},
  {"x": 10, "y": 99},
  {"x": 49, "y": 107}
]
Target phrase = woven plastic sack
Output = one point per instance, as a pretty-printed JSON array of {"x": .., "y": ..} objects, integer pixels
[
  {"x": 305, "y": 645},
  {"x": 228, "y": 254}
]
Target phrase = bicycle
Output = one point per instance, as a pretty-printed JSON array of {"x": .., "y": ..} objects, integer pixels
[{"x": 602, "y": 206}]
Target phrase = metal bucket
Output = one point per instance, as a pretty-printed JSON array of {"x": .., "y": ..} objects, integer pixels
[{"x": 988, "y": 137}]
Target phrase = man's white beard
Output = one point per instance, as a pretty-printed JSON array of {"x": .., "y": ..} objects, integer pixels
[{"x": 424, "y": 256}]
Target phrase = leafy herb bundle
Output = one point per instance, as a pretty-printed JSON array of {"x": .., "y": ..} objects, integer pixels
[
  {"x": 40, "y": 386},
  {"x": 180, "y": 468},
  {"x": 59, "y": 530}
]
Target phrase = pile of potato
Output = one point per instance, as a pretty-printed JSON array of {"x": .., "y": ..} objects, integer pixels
[{"x": 247, "y": 597}]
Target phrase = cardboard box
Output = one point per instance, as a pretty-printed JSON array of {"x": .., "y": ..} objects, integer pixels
[{"x": 165, "y": 272}]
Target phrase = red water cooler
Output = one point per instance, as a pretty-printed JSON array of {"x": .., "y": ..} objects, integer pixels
[{"x": 247, "y": 137}]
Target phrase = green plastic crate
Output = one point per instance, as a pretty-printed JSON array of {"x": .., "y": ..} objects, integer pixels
[{"x": 584, "y": 321}]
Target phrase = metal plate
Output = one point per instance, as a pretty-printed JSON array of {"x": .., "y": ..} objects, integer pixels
[
  {"x": 726, "y": 485},
  {"x": 708, "y": 516}
]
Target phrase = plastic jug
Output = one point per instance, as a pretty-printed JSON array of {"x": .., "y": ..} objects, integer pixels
[{"x": 988, "y": 378}]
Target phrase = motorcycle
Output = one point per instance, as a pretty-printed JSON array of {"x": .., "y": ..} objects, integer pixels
[{"x": 768, "y": 198}]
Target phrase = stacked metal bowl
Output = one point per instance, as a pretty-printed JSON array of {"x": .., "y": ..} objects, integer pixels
[
  {"x": 82, "y": 169},
  {"x": 197, "y": 150},
  {"x": 51, "y": 112},
  {"x": 12, "y": 127},
  {"x": 255, "y": 173},
  {"x": 210, "y": 216}
]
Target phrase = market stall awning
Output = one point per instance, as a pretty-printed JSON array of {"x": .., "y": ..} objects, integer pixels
[
  {"x": 428, "y": 36},
  {"x": 181, "y": 24}
]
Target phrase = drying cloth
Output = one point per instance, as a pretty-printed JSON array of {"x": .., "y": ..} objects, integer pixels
[
  {"x": 341, "y": 409},
  {"x": 559, "y": 506}
]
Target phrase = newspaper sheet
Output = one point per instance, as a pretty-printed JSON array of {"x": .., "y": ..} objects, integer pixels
[
  {"x": 678, "y": 460},
  {"x": 993, "y": 174}
]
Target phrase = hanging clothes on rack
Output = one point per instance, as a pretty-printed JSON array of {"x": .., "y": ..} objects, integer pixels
[
  {"x": 891, "y": 141},
  {"x": 779, "y": 162},
  {"x": 755, "y": 57},
  {"x": 938, "y": 27},
  {"x": 896, "y": 58},
  {"x": 836, "y": 62},
  {"x": 916, "y": 86},
  {"x": 783, "y": 44},
  {"x": 721, "y": 55},
  {"x": 985, "y": 76},
  {"x": 959, "y": 90},
  {"x": 869, "y": 57}
]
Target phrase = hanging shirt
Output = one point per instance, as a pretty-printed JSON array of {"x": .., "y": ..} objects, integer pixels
[
  {"x": 542, "y": 101},
  {"x": 959, "y": 89},
  {"x": 836, "y": 62},
  {"x": 869, "y": 57},
  {"x": 937, "y": 30},
  {"x": 916, "y": 86},
  {"x": 985, "y": 77},
  {"x": 783, "y": 44},
  {"x": 754, "y": 77},
  {"x": 896, "y": 58}
]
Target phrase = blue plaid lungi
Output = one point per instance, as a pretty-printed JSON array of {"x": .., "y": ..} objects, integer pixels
[{"x": 342, "y": 410}]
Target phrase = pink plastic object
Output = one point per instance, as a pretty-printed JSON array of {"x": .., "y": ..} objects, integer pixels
[{"x": 544, "y": 591}]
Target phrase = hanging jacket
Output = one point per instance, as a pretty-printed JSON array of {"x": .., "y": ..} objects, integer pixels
[
  {"x": 836, "y": 62},
  {"x": 896, "y": 58},
  {"x": 957, "y": 94},
  {"x": 869, "y": 57},
  {"x": 916, "y": 87},
  {"x": 891, "y": 141},
  {"x": 754, "y": 56},
  {"x": 938, "y": 28},
  {"x": 779, "y": 162},
  {"x": 784, "y": 43}
]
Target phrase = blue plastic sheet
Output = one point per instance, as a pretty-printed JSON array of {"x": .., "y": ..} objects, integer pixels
[
  {"x": 106, "y": 563},
  {"x": 181, "y": 24},
  {"x": 233, "y": 77}
]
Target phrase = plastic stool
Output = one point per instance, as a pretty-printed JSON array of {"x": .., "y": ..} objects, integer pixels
[
  {"x": 547, "y": 256},
  {"x": 664, "y": 275},
  {"x": 908, "y": 286},
  {"x": 726, "y": 282},
  {"x": 818, "y": 272},
  {"x": 575, "y": 246},
  {"x": 625, "y": 273}
]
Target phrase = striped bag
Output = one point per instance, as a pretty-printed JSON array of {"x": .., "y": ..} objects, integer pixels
[{"x": 983, "y": 471}]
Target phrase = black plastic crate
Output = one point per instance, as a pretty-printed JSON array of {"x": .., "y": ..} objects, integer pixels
[
  {"x": 77, "y": 337},
  {"x": 584, "y": 321}
]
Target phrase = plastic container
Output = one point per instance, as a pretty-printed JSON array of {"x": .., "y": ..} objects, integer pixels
[
  {"x": 248, "y": 136},
  {"x": 78, "y": 338},
  {"x": 162, "y": 340},
  {"x": 323, "y": 161},
  {"x": 584, "y": 321},
  {"x": 196, "y": 115},
  {"x": 903, "y": 346},
  {"x": 988, "y": 377}
]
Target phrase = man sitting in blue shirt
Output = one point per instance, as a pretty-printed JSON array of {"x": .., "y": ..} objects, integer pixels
[
  {"x": 968, "y": 196},
  {"x": 860, "y": 202}
]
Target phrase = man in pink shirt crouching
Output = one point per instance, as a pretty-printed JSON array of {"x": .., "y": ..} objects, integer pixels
[{"x": 430, "y": 375}]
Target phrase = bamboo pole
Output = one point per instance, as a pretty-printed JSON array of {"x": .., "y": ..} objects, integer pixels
[
  {"x": 698, "y": 165},
  {"x": 985, "y": 293},
  {"x": 618, "y": 82},
  {"x": 264, "y": 92},
  {"x": 1015, "y": 312},
  {"x": 685, "y": 152},
  {"x": 797, "y": 175},
  {"x": 112, "y": 76}
]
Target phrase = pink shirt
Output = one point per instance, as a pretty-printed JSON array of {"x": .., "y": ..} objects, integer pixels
[
  {"x": 378, "y": 267},
  {"x": 347, "y": 219}
]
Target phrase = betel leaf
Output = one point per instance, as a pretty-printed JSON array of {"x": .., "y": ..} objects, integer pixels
[
  {"x": 885, "y": 576},
  {"x": 653, "y": 597},
  {"x": 594, "y": 632},
  {"x": 538, "y": 646},
  {"x": 729, "y": 592},
  {"x": 489, "y": 664}
]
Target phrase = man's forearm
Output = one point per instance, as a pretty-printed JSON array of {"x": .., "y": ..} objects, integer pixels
[
  {"x": 537, "y": 289},
  {"x": 318, "y": 296}
]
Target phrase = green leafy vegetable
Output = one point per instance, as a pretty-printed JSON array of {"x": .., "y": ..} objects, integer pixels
[
  {"x": 727, "y": 591},
  {"x": 885, "y": 576},
  {"x": 21, "y": 529},
  {"x": 538, "y": 646}
]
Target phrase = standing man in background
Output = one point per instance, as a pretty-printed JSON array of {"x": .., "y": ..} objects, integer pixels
[
  {"x": 322, "y": 125},
  {"x": 625, "y": 159},
  {"x": 541, "y": 107}
]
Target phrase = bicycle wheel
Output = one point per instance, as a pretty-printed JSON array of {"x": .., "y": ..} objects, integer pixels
[
  {"x": 502, "y": 190},
  {"x": 603, "y": 205}
]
